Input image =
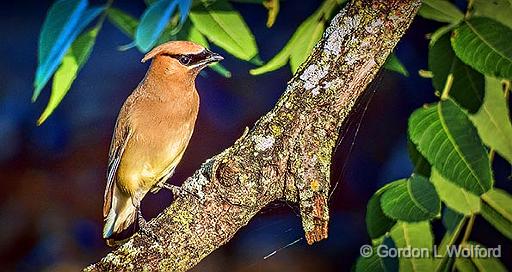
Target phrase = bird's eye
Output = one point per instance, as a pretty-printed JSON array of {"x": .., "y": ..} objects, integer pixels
[{"x": 185, "y": 60}]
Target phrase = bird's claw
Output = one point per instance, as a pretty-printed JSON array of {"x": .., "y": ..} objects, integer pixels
[{"x": 145, "y": 230}]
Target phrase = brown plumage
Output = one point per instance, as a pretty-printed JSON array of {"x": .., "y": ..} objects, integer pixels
[{"x": 152, "y": 131}]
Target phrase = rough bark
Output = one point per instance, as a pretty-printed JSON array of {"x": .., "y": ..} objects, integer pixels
[{"x": 285, "y": 156}]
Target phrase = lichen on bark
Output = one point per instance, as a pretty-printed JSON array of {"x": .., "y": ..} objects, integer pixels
[{"x": 285, "y": 156}]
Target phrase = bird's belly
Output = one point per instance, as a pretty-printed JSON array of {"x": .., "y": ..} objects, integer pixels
[{"x": 159, "y": 157}]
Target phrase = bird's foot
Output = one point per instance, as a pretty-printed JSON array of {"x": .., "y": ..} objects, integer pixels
[{"x": 145, "y": 230}]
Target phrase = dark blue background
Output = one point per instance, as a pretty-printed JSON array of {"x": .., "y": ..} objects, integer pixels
[{"x": 52, "y": 176}]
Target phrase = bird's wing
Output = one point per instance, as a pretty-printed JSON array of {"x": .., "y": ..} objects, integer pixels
[{"x": 120, "y": 138}]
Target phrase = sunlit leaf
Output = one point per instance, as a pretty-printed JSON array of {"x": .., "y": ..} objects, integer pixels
[
  {"x": 450, "y": 142},
  {"x": 467, "y": 85},
  {"x": 465, "y": 265},
  {"x": 413, "y": 235},
  {"x": 123, "y": 21},
  {"x": 485, "y": 263},
  {"x": 225, "y": 27},
  {"x": 63, "y": 23},
  {"x": 454, "y": 196},
  {"x": 498, "y": 10},
  {"x": 72, "y": 62},
  {"x": 497, "y": 210},
  {"x": 493, "y": 120},
  {"x": 484, "y": 44},
  {"x": 413, "y": 200},
  {"x": 394, "y": 64},
  {"x": 273, "y": 9},
  {"x": 281, "y": 58},
  {"x": 441, "y": 11},
  {"x": 312, "y": 32},
  {"x": 499, "y": 222},
  {"x": 501, "y": 201}
]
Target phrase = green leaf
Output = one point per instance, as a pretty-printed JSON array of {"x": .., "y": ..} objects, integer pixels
[
  {"x": 421, "y": 165},
  {"x": 377, "y": 223},
  {"x": 488, "y": 263},
  {"x": 249, "y": 1},
  {"x": 153, "y": 22},
  {"x": 441, "y": 11},
  {"x": 184, "y": 8},
  {"x": 371, "y": 263},
  {"x": 501, "y": 201},
  {"x": 497, "y": 210},
  {"x": 484, "y": 44},
  {"x": 454, "y": 196},
  {"x": 412, "y": 200},
  {"x": 414, "y": 235},
  {"x": 453, "y": 223},
  {"x": 278, "y": 61},
  {"x": 394, "y": 64},
  {"x": 190, "y": 33},
  {"x": 465, "y": 265},
  {"x": 273, "y": 9},
  {"x": 224, "y": 26},
  {"x": 451, "y": 219},
  {"x": 440, "y": 32},
  {"x": 376, "y": 263},
  {"x": 281, "y": 58},
  {"x": 72, "y": 62},
  {"x": 123, "y": 21},
  {"x": 498, "y": 10},
  {"x": 220, "y": 69},
  {"x": 63, "y": 23},
  {"x": 446, "y": 137},
  {"x": 493, "y": 120},
  {"x": 499, "y": 222},
  {"x": 312, "y": 32},
  {"x": 467, "y": 85}
]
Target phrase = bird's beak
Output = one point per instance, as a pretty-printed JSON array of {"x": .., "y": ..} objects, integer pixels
[{"x": 213, "y": 57}]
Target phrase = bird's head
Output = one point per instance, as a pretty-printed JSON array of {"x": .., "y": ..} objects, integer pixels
[{"x": 182, "y": 56}]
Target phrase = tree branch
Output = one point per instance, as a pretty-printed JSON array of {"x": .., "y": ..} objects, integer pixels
[{"x": 285, "y": 156}]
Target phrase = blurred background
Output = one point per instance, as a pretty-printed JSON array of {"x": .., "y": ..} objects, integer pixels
[{"x": 53, "y": 176}]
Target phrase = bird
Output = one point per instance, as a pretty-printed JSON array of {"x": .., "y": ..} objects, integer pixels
[{"x": 152, "y": 131}]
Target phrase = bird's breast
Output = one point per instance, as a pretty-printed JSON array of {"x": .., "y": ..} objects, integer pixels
[{"x": 161, "y": 132}]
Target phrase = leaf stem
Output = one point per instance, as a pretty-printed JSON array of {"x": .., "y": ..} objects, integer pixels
[
  {"x": 469, "y": 228},
  {"x": 469, "y": 9},
  {"x": 103, "y": 16},
  {"x": 447, "y": 87},
  {"x": 448, "y": 241}
]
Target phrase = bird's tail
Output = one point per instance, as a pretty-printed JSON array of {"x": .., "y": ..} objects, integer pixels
[{"x": 121, "y": 216}]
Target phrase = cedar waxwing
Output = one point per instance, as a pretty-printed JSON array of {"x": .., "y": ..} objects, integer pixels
[{"x": 152, "y": 132}]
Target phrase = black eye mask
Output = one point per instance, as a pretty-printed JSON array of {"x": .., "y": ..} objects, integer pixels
[{"x": 190, "y": 59}]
